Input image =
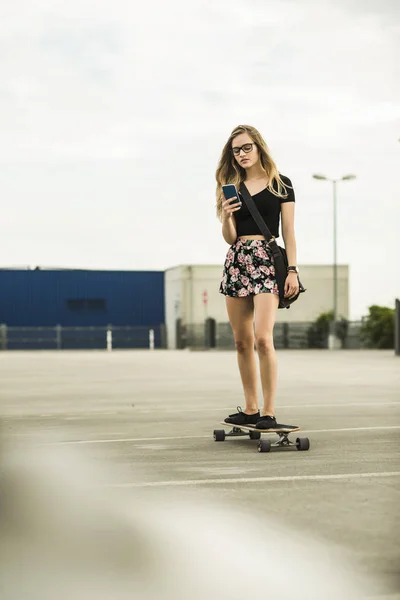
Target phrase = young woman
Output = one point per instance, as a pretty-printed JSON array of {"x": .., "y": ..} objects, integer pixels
[{"x": 248, "y": 280}]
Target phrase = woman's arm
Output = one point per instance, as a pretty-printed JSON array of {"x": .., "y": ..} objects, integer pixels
[
  {"x": 287, "y": 209},
  {"x": 229, "y": 232}
]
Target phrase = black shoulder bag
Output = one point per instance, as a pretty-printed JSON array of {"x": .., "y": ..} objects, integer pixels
[{"x": 279, "y": 253}]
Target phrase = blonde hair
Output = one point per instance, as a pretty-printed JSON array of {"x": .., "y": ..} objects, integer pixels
[{"x": 229, "y": 170}]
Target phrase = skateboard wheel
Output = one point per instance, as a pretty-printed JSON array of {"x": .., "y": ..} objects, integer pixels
[
  {"x": 302, "y": 443},
  {"x": 254, "y": 435},
  {"x": 219, "y": 435},
  {"x": 264, "y": 446}
]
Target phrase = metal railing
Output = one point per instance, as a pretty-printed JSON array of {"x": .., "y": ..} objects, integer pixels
[
  {"x": 286, "y": 336},
  {"x": 86, "y": 338},
  {"x": 207, "y": 335}
]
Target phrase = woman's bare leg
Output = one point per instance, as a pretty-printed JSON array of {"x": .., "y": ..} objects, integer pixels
[
  {"x": 265, "y": 306},
  {"x": 241, "y": 317}
]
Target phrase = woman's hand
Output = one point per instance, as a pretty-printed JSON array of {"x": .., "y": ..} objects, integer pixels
[
  {"x": 291, "y": 285},
  {"x": 229, "y": 207}
]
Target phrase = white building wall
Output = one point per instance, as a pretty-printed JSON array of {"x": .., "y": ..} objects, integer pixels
[{"x": 185, "y": 285}]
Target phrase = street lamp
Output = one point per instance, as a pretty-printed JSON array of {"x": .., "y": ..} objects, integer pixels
[{"x": 334, "y": 181}]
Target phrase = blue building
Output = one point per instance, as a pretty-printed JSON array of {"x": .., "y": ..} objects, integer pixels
[{"x": 81, "y": 299}]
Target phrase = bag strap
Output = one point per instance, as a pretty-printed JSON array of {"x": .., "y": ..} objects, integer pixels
[{"x": 277, "y": 252}]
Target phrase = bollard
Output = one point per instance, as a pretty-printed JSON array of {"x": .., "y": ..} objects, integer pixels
[
  {"x": 58, "y": 337},
  {"x": 151, "y": 339},
  {"x": 109, "y": 339},
  {"x": 3, "y": 336}
]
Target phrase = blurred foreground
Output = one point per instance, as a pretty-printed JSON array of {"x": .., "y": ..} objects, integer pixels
[{"x": 65, "y": 535}]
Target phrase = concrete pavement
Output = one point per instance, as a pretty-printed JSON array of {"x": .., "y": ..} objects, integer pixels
[{"x": 154, "y": 413}]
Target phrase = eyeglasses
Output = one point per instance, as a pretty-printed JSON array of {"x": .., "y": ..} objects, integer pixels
[{"x": 246, "y": 148}]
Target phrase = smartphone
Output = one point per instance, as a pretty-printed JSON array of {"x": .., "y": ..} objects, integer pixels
[{"x": 230, "y": 191}]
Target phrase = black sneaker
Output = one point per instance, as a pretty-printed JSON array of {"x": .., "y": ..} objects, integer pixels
[
  {"x": 266, "y": 422},
  {"x": 240, "y": 418}
]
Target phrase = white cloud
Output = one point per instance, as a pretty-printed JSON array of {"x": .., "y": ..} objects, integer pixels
[{"x": 116, "y": 113}]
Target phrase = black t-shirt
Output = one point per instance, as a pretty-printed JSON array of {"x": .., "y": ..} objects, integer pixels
[{"x": 269, "y": 207}]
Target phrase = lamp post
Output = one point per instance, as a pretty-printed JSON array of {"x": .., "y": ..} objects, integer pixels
[{"x": 335, "y": 277}]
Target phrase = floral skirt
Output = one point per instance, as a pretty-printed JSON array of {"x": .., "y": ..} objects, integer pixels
[{"x": 249, "y": 270}]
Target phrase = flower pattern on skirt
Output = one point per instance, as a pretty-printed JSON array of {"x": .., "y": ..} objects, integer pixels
[{"x": 248, "y": 270}]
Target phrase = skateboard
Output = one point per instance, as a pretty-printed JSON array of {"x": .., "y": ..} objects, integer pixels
[{"x": 281, "y": 430}]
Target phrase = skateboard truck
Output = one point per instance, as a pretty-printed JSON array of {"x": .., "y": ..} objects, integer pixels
[
  {"x": 283, "y": 439},
  {"x": 236, "y": 432}
]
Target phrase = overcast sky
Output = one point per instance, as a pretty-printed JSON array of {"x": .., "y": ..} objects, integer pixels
[{"x": 113, "y": 116}]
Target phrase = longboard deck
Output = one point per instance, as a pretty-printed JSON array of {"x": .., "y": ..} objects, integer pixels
[{"x": 279, "y": 429}]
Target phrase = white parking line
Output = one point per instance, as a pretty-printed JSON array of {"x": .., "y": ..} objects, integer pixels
[
  {"x": 283, "y": 407},
  {"x": 158, "y": 409},
  {"x": 142, "y": 439},
  {"x": 183, "y": 482},
  {"x": 198, "y": 437},
  {"x": 350, "y": 429}
]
